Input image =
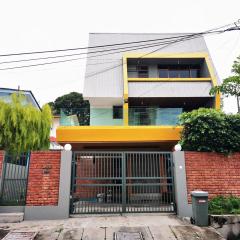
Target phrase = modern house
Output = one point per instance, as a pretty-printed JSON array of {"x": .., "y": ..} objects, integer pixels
[
  {"x": 136, "y": 97},
  {"x": 136, "y": 93}
]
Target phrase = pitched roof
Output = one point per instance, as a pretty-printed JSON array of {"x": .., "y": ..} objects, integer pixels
[{"x": 28, "y": 93}]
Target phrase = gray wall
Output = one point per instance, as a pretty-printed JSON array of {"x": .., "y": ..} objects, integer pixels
[
  {"x": 62, "y": 210},
  {"x": 184, "y": 209}
]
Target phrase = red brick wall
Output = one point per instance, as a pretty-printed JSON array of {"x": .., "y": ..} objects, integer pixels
[
  {"x": 43, "y": 179},
  {"x": 1, "y": 161},
  {"x": 215, "y": 173}
]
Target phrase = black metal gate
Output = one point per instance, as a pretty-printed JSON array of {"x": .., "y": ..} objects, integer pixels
[
  {"x": 117, "y": 182},
  {"x": 14, "y": 180}
]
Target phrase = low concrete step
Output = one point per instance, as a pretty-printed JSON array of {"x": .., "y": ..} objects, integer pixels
[{"x": 11, "y": 217}]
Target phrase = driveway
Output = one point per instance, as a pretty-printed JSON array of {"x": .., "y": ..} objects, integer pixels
[{"x": 114, "y": 227}]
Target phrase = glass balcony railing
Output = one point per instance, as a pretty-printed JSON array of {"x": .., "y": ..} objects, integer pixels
[{"x": 137, "y": 116}]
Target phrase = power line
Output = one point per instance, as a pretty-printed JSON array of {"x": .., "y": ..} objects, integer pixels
[
  {"x": 62, "y": 61},
  {"x": 69, "y": 60},
  {"x": 107, "y": 45},
  {"x": 77, "y": 54}
]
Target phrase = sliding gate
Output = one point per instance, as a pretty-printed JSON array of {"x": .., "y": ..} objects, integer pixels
[{"x": 116, "y": 182}]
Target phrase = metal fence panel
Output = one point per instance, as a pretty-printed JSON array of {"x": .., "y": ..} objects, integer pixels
[
  {"x": 116, "y": 182},
  {"x": 14, "y": 180}
]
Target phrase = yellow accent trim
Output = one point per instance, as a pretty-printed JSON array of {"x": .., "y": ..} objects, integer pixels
[
  {"x": 116, "y": 134},
  {"x": 165, "y": 55},
  {"x": 169, "y": 79},
  {"x": 204, "y": 55},
  {"x": 218, "y": 101},
  {"x": 125, "y": 79},
  {"x": 125, "y": 114}
]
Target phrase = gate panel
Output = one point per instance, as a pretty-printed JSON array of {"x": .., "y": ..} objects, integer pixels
[
  {"x": 149, "y": 182},
  {"x": 116, "y": 182},
  {"x": 97, "y": 185}
]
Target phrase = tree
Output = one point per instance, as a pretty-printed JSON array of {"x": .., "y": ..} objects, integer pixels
[
  {"x": 23, "y": 128},
  {"x": 70, "y": 104},
  {"x": 230, "y": 85},
  {"x": 210, "y": 130}
]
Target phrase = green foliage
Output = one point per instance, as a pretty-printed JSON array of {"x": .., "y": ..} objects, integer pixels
[
  {"x": 23, "y": 127},
  {"x": 230, "y": 85},
  {"x": 224, "y": 205},
  {"x": 210, "y": 130},
  {"x": 70, "y": 104}
]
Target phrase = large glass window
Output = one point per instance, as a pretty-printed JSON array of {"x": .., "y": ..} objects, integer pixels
[
  {"x": 163, "y": 73},
  {"x": 179, "y": 71}
]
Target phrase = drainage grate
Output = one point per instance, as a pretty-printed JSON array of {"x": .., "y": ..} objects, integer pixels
[
  {"x": 128, "y": 236},
  {"x": 20, "y": 236}
]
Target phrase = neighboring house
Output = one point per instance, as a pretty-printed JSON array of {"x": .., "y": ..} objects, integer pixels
[
  {"x": 5, "y": 95},
  {"x": 60, "y": 120},
  {"x": 123, "y": 162}
]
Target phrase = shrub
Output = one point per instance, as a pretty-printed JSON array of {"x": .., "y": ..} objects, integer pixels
[
  {"x": 210, "y": 130},
  {"x": 224, "y": 205}
]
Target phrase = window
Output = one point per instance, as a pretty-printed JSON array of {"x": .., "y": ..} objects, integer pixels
[
  {"x": 117, "y": 112},
  {"x": 138, "y": 71},
  {"x": 179, "y": 71},
  {"x": 142, "y": 71},
  {"x": 194, "y": 73},
  {"x": 163, "y": 73}
]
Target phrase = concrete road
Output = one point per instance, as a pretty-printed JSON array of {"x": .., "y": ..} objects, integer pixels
[{"x": 127, "y": 227}]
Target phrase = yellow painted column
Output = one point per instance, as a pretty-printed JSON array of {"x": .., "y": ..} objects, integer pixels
[
  {"x": 125, "y": 114},
  {"x": 218, "y": 101},
  {"x": 125, "y": 92}
]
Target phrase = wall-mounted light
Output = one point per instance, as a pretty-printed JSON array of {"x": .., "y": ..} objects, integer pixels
[
  {"x": 67, "y": 147},
  {"x": 177, "y": 147}
]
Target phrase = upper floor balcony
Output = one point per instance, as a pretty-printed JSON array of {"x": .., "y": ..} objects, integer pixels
[{"x": 167, "y": 68}]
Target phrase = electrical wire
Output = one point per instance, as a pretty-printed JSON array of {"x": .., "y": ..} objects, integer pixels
[
  {"x": 77, "y": 54},
  {"x": 109, "y": 45},
  {"x": 62, "y": 61}
]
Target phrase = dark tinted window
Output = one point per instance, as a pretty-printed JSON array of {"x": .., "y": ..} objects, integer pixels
[
  {"x": 163, "y": 73},
  {"x": 117, "y": 112},
  {"x": 194, "y": 73},
  {"x": 142, "y": 71},
  {"x": 184, "y": 73},
  {"x": 173, "y": 73}
]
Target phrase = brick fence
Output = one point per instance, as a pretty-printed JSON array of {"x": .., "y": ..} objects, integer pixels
[
  {"x": 43, "y": 179},
  {"x": 212, "y": 172}
]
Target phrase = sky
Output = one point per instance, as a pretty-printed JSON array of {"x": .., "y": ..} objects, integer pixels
[{"x": 40, "y": 25}]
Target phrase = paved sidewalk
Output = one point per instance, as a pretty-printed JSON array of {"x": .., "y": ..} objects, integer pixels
[{"x": 151, "y": 226}]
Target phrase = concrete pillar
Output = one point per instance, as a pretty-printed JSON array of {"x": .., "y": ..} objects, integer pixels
[
  {"x": 60, "y": 211},
  {"x": 184, "y": 209}
]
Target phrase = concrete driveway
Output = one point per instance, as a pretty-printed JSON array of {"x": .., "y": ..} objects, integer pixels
[{"x": 114, "y": 227}]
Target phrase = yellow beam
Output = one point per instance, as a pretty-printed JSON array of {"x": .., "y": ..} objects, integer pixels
[
  {"x": 169, "y": 79},
  {"x": 118, "y": 134},
  {"x": 165, "y": 55}
]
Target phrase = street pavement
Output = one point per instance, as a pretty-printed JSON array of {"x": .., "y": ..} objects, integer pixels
[{"x": 113, "y": 227}]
